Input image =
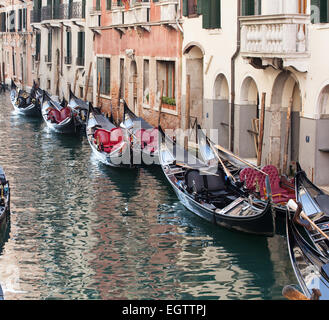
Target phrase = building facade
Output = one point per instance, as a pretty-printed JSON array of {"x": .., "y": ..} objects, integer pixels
[
  {"x": 137, "y": 55},
  {"x": 64, "y": 46},
  {"x": 16, "y": 42},
  {"x": 249, "y": 47}
]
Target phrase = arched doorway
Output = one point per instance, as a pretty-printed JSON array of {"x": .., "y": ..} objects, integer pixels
[
  {"x": 133, "y": 93},
  {"x": 286, "y": 95},
  {"x": 220, "y": 114},
  {"x": 321, "y": 177},
  {"x": 246, "y": 122},
  {"x": 194, "y": 68}
]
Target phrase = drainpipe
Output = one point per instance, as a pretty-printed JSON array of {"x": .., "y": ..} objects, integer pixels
[
  {"x": 235, "y": 55},
  {"x": 178, "y": 14}
]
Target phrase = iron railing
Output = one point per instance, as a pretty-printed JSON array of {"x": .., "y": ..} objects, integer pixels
[{"x": 75, "y": 10}]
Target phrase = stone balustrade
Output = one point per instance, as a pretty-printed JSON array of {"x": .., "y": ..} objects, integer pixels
[{"x": 274, "y": 35}]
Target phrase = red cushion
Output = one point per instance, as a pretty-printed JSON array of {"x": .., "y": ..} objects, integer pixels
[
  {"x": 54, "y": 115},
  {"x": 250, "y": 176},
  {"x": 65, "y": 113},
  {"x": 110, "y": 140}
]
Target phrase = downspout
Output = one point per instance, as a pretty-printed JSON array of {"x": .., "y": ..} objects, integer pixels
[
  {"x": 178, "y": 14},
  {"x": 233, "y": 59}
]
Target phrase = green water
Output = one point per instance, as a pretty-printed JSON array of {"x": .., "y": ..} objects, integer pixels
[{"x": 81, "y": 230}]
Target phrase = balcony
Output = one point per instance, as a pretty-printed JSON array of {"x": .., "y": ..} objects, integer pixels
[
  {"x": 276, "y": 37},
  {"x": 62, "y": 12}
]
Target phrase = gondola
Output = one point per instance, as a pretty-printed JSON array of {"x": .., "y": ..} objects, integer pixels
[
  {"x": 26, "y": 103},
  {"x": 107, "y": 141},
  {"x": 315, "y": 205},
  {"x": 4, "y": 197},
  {"x": 282, "y": 190},
  {"x": 79, "y": 107},
  {"x": 143, "y": 136},
  {"x": 212, "y": 195},
  {"x": 58, "y": 116},
  {"x": 310, "y": 267}
]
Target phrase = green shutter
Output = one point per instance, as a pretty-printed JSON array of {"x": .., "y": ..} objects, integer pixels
[
  {"x": 323, "y": 11},
  {"x": 206, "y": 14},
  {"x": 68, "y": 44},
  {"x": 199, "y": 7},
  {"x": 215, "y": 16},
  {"x": 108, "y": 4},
  {"x": 315, "y": 18},
  {"x": 248, "y": 7},
  {"x": 107, "y": 83},
  {"x": 50, "y": 38},
  {"x": 185, "y": 8}
]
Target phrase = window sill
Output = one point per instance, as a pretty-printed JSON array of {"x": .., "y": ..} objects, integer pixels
[{"x": 215, "y": 31}]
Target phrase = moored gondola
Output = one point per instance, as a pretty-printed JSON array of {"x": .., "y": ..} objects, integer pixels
[
  {"x": 315, "y": 204},
  {"x": 212, "y": 195},
  {"x": 58, "y": 116},
  {"x": 107, "y": 141},
  {"x": 4, "y": 197},
  {"x": 79, "y": 107},
  {"x": 310, "y": 267},
  {"x": 251, "y": 177},
  {"x": 143, "y": 136},
  {"x": 25, "y": 103}
]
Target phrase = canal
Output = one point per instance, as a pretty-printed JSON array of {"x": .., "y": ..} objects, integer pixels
[{"x": 81, "y": 230}]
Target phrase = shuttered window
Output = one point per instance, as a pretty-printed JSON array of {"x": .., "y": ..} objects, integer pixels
[
  {"x": 108, "y": 4},
  {"x": 68, "y": 59},
  {"x": 104, "y": 69},
  {"x": 319, "y": 12},
  {"x": 98, "y": 5},
  {"x": 251, "y": 7},
  {"x": 81, "y": 49},
  {"x": 37, "y": 46},
  {"x": 50, "y": 45},
  {"x": 211, "y": 11}
]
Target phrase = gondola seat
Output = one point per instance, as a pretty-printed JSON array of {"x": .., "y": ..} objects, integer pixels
[
  {"x": 108, "y": 141},
  {"x": 279, "y": 193},
  {"x": 251, "y": 178},
  {"x": 65, "y": 113},
  {"x": 54, "y": 116},
  {"x": 210, "y": 186}
]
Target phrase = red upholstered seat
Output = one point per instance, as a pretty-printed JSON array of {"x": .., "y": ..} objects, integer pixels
[
  {"x": 280, "y": 194},
  {"x": 65, "y": 113},
  {"x": 251, "y": 177},
  {"x": 54, "y": 116},
  {"x": 108, "y": 141}
]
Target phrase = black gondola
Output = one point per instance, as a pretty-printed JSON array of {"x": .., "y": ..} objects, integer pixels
[
  {"x": 58, "y": 116},
  {"x": 315, "y": 205},
  {"x": 211, "y": 194},
  {"x": 310, "y": 267},
  {"x": 4, "y": 197},
  {"x": 248, "y": 174},
  {"x": 143, "y": 136},
  {"x": 79, "y": 107},
  {"x": 25, "y": 103},
  {"x": 107, "y": 141}
]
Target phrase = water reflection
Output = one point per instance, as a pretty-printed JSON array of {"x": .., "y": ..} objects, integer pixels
[{"x": 82, "y": 230}]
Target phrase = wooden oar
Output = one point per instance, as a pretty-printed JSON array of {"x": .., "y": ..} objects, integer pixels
[
  {"x": 227, "y": 172},
  {"x": 238, "y": 158},
  {"x": 293, "y": 206},
  {"x": 187, "y": 166}
]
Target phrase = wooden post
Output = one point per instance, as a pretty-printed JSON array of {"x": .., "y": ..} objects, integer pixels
[
  {"x": 286, "y": 146},
  {"x": 160, "y": 106},
  {"x": 187, "y": 109},
  {"x": 75, "y": 80},
  {"x": 261, "y": 131},
  {"x": 87, "y": 84},
  {"x": 98, "y": 88}
]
